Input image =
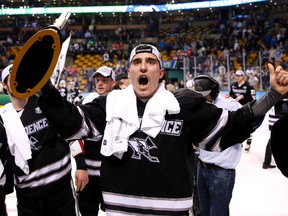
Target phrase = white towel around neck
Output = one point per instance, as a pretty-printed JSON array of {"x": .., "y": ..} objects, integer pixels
[
  {"x": 17, "y": 138},
  {"x": 122, "y": 117},
  {"x": 153, "y": 119}
]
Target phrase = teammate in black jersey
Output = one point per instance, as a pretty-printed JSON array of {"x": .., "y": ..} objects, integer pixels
[
  {"x": 149, "y": 131},
  {"x": 244, "y": 93},
  {"x": 6, "y": 177},
  {"x": 277, "y": 112},
  {"x": 90, "y": 198},
  {"x": 40, "y": 158}
]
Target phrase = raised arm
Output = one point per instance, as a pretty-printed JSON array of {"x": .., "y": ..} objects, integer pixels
[
  {"x": 72, "y": 122},
  {"x": 279, "y": 86}
]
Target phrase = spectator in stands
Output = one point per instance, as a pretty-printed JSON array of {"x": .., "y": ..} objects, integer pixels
[
  {"x": 9, "y": 40},
  {"x": 62, "y": 87},
  {"x": 76, "y": 81},
  {"x": 119, "y": 55},
  {"x": 126, "y": 57},
  {"x": 118, "y": 68},
  {"x": 76, "y": 47},
  {"x": 88, "y": 34},
  {"x": 190, "y": 81},
  {"x": 111, "y": 56},
  {"x": 73, "y": 91},
  {"x": 105, "y": 56},
  {"x": 252, "y": 78}
]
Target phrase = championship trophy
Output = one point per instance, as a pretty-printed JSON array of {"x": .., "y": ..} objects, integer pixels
[{"x": 35, "y": 63}]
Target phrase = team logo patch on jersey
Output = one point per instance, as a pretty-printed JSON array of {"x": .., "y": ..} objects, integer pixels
[
  {"x": 142, "y": 147},
  {"x": 38, "y": 110},
  {"x": 33, "y": 142}
]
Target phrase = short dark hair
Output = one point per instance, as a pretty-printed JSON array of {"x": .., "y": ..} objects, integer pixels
[{"x": 121, "y": 76}]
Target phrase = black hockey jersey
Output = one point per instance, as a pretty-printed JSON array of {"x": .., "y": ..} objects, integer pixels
[
  {"x": 279, "y": 110},
  {"x": 6, "y": 176},
  {"x": 153, "y": 175},
  {"x": 245, "y": 89},
  {"x": 93, "y": 157},
  {"x": 50, "y": 166}
]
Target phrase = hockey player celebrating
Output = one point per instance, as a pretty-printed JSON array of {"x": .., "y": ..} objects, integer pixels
[
  {"x": 40, "y": 159},
  {"x": 148, "y": 131}
]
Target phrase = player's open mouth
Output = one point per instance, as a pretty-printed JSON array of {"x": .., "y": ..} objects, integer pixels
[{"x": 143, "y": 80}]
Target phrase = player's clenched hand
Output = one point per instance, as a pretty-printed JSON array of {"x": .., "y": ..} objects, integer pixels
[{"x": 278, "y": 79}]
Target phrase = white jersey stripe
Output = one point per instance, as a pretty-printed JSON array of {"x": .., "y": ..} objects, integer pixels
[
  {"x": 169, "y": 204},
  {"x": 2, "y": 174},
  {"x": 75, "y": 197},
  {"x": 93, "y": 172},
  {"x": 47, "y": 180},
  {"x": 38, "y": 177},
  {"x": 93, "y": 167},
  {"x": 93, "y": 163},
  {"x": 220, "y": 124},
  {"x": 45, "y": 170},
  {"x": 2, "y": 180},
  {"x": 85, "y": 130},
  {"x": 110, "y": 212}
]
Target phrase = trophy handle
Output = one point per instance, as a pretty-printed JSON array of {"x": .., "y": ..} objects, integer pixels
[{"x": 62, "y": 19}]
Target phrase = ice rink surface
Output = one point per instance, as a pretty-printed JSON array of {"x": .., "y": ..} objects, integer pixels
[{"x": 257, "y": 191}]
